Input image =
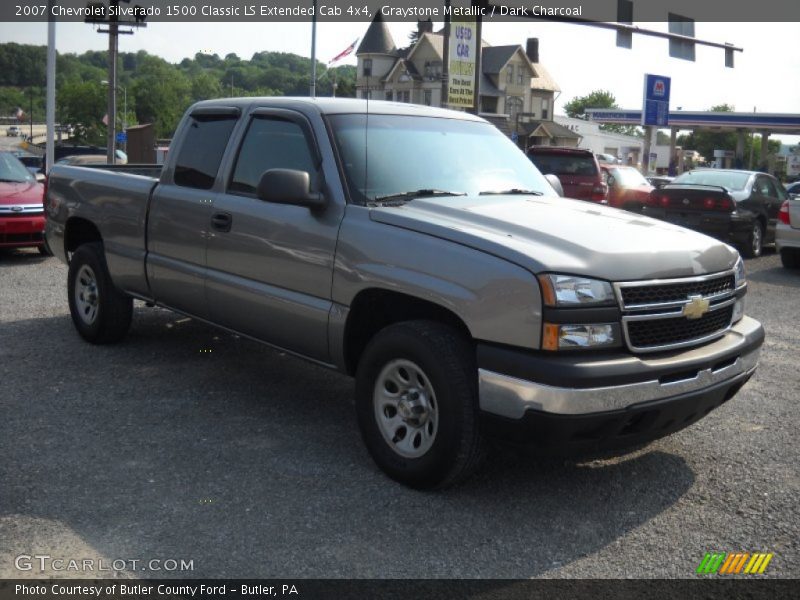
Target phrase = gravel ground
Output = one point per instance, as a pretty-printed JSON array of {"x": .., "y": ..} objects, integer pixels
[{"x": 186, "y": 443}]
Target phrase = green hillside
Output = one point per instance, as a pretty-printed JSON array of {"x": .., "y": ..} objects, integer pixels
[{"x": 157, "y": 91}]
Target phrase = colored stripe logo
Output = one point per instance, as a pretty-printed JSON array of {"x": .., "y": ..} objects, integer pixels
[{"x": 734, "y": 563}]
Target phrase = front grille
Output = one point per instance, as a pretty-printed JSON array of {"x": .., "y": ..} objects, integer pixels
[
  {"x": 677, "y": 330},
  {"x": 20, "y": 238},
  {"x": 675, "y": 292}
]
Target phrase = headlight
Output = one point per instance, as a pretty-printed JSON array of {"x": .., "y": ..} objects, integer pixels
[
  {"x": 577, "y": 337},
  {"x": 569, "y": 290},
  {"x": 738, "y": 310},
  {"x": 738, "y": 273}
]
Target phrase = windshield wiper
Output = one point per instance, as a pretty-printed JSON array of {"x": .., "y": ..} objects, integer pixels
[
  {"x": 511, "y": 192},
  {"x": 425, "y": 192},
  {"x": 4, "y": 180}
]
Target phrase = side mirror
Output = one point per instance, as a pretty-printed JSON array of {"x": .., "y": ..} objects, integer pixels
[
  {"x": 556, "y": 183},
  {"x": 610, "y": 181},
  {"x": 289, "y": 186}
]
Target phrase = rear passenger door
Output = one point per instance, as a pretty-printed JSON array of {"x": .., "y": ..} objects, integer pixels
[
  {"x": 270, "y": 267},
  {"x": 766, "y": 192},
  {"x": 180, "y": 212}
]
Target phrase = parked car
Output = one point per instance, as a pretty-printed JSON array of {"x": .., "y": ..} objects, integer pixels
[
  {"x": 793, "y": 188},
  {"x": 608, "y": 159},
  {"x": 787, "y": 233},
  {"x": 739, "y": 207},
  {"x": 13, "y": 131},
  {"x": 21, "y": 211},
  {"x": 88, "y": 159},
  {"x": 576, "y": 168},
  {"x": 465, "y": 297},
  {"x": 627, "y": 188},
  {"x": 659, "y": 181},
  {"x": 65, "y": 150},
  {"x": 32, "y": 162}
]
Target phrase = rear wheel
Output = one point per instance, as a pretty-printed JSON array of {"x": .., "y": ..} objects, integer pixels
[
  {"x": 755, "y": 241},
  {"x": 101, "y": 313},
  {"x": 417, "y": 404},
  {"x": 790, "y": 258}
]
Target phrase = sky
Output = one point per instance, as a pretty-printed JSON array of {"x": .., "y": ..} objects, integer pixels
[{"x": 581, "y": 59}]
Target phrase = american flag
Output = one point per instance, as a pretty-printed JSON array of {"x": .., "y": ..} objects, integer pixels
[{"x": 344, "y": 52}]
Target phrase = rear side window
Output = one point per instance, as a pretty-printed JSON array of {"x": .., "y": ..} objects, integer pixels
[
  {"x": 564, "y": 164},
  {"x": 270, "y": 143},
  {"x": 201, "y": 151},
  {"x": 765, "y": 187}
]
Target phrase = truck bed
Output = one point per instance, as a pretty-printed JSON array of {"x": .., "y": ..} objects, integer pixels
[{"x": 115, "y": 199}]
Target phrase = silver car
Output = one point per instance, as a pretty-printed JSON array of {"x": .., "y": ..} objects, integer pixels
[{"x": 787, "y": 233}]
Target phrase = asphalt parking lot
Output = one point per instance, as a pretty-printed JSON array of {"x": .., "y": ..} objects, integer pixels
[{"x": 185, "y": 443}]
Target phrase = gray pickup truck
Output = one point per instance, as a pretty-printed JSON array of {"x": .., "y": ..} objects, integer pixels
[{"x": 420, "y": 251}]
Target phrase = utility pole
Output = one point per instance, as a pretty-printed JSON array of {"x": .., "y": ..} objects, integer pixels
[
  {"x": 30, "y": 93},
  {"x": 51, "y": 87},
  {"x": 113, "y": 21},
  {"x": 111, "y": 137},
  {"x": 313, "y": 89},
  {"x": 446, "y": 57}
]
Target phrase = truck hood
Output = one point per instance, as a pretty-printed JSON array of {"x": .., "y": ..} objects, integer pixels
[{"x": 549, "y": 234}]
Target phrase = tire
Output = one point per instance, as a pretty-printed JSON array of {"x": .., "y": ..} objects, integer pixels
[
  {"x": 101, "y": 313},
  {"x": 790, "y": 258},
  {"x": 755, "y": 241},
  {"x": 417, "y": 404},
  {"x": 44, "y": 249}
]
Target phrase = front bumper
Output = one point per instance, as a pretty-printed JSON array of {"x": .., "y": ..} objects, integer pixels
[
  {"x": 608, "y": 400},
  {"x": 729, "y": 227},
  {"x": 21, "y": 231},
  {"x": 786, "y": 237}
]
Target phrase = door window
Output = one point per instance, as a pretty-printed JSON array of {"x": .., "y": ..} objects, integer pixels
[
  {"x": 271, "y": 143},
  {"x": 202, "y": 149},
  {"x": 765, "y": 187}
]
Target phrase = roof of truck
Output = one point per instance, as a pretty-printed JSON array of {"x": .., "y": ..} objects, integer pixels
[{"x": 336, "y": 106}]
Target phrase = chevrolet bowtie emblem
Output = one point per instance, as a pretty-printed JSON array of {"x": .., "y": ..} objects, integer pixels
[{"x": 696, "y": 307}]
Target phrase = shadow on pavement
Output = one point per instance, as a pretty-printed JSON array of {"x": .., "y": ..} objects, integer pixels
[{"x": 186, "y": 443}]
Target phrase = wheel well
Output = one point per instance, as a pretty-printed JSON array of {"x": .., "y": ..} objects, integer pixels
[
  {"x": 80, "y": 231},
  {"x": 373, "y": 310}
]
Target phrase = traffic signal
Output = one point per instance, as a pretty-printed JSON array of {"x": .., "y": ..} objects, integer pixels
[
  {"x": 625, "y": 15},
  {"x": 683, "y": 49}
]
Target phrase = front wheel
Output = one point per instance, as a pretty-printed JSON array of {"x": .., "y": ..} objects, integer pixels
[
  {"x": 755, "y": 241},
  {"x": 417, "y": 404},
  {"x": 101, "y": 313},
  {"x": 790, "y": 258}
]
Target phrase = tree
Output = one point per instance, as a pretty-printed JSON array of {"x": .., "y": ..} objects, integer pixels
[
  {"x": 83, "y": 103},
  {"x": 576, "y": 108},
  {"x": 162, "y": 94}
]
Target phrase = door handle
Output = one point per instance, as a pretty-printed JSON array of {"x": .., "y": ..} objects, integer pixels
[{"x": 221, "y": 221}]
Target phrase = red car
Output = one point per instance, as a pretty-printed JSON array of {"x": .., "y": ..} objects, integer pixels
[
  {"x": 577, "y": 170},
  {"x": 21, "y": 208},
  {"x": 627, "y": 187}
]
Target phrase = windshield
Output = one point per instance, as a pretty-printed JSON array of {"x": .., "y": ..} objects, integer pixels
[
  {"x": 13, "y": 170},
  {"x": 565, "y": 164},
  {"x": 628, "y": 177},
  {"x": 727, "y": 179},
  {"x": 402, "y": 153}
]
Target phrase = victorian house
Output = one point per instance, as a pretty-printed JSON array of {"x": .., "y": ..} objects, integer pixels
[{"x": 516, "y": 90}]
